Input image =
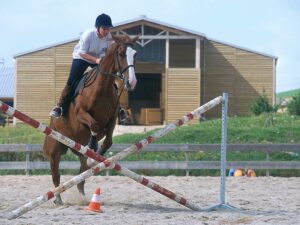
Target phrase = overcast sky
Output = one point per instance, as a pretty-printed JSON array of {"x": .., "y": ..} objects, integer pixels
[{"x": 268, "y": 26}]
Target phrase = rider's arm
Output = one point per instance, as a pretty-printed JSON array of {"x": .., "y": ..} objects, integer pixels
[{"x": 90, "y": 58}]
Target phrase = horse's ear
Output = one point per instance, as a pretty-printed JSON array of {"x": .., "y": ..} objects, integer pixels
[
  {"x": 118, "y": 38},
  {"x": 135, "y": 38},
  {"x": 121, "y": 38}
]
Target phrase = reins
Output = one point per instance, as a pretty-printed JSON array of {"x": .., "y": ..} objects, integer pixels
[
  {"x": 90, "y": 78},
  {"x": 121, "y": 70}
]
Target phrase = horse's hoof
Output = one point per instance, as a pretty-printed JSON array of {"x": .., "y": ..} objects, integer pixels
[
  {"x": 93, "y": 146},
  {"x": 83, "y": 201},
  {"x": 93, "y": 143},
  {"x": 100, "y": 151},
  {"x": 57, "y": 201}
]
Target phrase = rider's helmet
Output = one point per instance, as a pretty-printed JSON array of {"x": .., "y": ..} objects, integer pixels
[{"x": 103, "y": 20}]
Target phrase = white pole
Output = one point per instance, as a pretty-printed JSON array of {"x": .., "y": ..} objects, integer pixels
[{"x": 223, "y": 147}]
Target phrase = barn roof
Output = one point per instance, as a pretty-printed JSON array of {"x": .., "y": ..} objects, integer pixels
[
  {"x": 144, "y": 19},
  {"x": 153, "y": 21},
  {"x": 7, "y": 82}
]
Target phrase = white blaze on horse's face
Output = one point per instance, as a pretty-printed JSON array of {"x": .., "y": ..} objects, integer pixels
[{"x": 130, "y": 61}]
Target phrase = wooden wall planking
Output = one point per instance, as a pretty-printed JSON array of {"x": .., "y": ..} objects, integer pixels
[
  {"x": 35, "y": 83},
  {"x": 243, "y": 74},
  {"x": 182, "y": 87}
]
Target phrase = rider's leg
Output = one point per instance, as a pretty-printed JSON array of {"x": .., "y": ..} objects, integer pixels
[
  {"x": 77, "y": 70},
  {"x": 63, "y": 102}
]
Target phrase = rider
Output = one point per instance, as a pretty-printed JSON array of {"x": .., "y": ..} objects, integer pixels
[{"x": 88, "y": 52}]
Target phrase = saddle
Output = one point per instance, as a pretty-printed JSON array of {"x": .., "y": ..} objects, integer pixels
[
  {"x": 76, "y": 86},
  {"x": 87, "y": 79}
]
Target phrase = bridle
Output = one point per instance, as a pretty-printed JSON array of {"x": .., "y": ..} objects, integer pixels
[
  {"x": 120, "y": 71},
  {"x": 119, "y": 74}
]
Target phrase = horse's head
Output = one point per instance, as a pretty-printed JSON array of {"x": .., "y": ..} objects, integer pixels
[{"x": 125, "y": 57}]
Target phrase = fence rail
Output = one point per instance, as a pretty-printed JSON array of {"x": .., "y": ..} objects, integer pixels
[{"x": 186, "y": 164}]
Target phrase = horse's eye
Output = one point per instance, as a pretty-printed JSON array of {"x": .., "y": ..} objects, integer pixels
[{"x": 122, "y": 54}]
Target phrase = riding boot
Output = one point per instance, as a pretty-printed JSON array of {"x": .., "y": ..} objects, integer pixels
[{"x": 63, "y": 103}]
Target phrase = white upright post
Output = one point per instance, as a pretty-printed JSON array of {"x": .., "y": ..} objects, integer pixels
[
  {"x": 197, "y": 54},
  {"x": 222, "y": 203},
  {"x": 167, "y": 52},
  {"x": 223, "y": 147}
]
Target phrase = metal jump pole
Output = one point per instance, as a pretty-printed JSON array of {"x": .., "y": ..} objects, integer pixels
[
  {"x": 222, "y": 204},
  {"x": 107, "y": 163}
]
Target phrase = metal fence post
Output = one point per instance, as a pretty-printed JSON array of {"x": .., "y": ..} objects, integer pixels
[
  {"x": 267, "y": 159},
  {"x": 27, "y": 158},
  {"x": 187, "y": 172}
]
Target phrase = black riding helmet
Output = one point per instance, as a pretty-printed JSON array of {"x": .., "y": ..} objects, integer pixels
[{"x": 103, "y": 20}]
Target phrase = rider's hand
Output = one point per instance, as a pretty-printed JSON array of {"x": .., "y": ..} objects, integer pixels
[{"x": 98, "y": 61}]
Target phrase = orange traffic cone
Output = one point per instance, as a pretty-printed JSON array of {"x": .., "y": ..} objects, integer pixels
[{"x": 95, "y": 204}]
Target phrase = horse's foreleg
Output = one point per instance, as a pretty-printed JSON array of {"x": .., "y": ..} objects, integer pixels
[
  {"x": 107, "y": 143},
  {"x": 80, "y": 186},
  {"x": 85, "y": 118}
]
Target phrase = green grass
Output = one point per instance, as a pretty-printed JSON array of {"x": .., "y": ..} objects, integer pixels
[
  {"x": 267, "y": 128},
  {"x": 20, "y": 134},
  {"x": 288, "y": 93}
]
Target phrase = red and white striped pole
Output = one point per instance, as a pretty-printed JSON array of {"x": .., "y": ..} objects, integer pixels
[{"x": 107, "y": 163}]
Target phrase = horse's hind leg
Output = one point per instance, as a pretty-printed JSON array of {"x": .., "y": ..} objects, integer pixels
[
  {"x": 80, "y": 186},
  {"x": 52, "y": 150}
]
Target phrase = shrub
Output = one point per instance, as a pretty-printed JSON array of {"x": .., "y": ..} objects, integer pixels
[
  {"x": 294, "y": 105},
  {"x": 261, "y": 105}
]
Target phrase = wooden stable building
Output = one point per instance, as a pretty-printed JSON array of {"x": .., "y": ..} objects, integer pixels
[{"x": 177, "y": 70}]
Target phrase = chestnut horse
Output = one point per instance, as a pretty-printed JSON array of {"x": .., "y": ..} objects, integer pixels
[{"x": 93, "y": 113}]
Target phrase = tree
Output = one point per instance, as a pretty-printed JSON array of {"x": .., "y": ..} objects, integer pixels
[
  {"x": 261, "y": 105},
  {"x": 294, "y": 105}
]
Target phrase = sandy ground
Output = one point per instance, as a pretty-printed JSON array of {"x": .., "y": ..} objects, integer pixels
[
  {"x": 263, "y": 200},
  {"x": 268, "y": 200}
]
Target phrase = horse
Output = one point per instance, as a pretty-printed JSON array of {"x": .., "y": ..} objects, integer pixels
[{"x": 92, "y": 114}]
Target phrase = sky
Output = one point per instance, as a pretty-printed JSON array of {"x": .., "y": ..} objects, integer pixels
[{"x": 268, "y": 26}]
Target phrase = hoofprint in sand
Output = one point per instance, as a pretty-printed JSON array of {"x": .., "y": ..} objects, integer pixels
[{"x": 277, "y": 201}]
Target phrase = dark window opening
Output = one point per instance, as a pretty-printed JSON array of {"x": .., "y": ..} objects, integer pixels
[{"x": 146, "y": 94}]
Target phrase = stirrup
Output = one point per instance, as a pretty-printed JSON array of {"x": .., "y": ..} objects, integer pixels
[
  {"x": 123, "y": 115},
  {"x": 56, "y": 112}
]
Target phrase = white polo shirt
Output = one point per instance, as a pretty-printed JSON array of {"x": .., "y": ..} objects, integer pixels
[{"x": 91, "y": 44}]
